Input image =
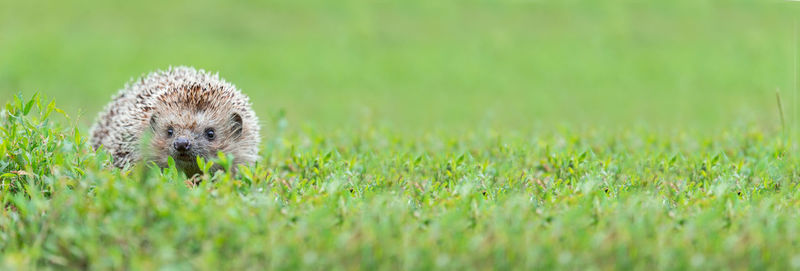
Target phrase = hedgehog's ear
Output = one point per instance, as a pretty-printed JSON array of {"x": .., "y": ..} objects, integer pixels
[
  {"x": 236, "y": 125},
  {"x": 153, "y": 119}
]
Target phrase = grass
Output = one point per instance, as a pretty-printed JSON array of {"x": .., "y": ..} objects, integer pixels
[
  {"x": 415, "y": 135},
  {"x": 415, "y": 65},
  {"x": 371, "y": 200}
]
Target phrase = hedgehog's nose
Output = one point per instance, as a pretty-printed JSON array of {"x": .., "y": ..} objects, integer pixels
[{"x": 182, "y": 145}]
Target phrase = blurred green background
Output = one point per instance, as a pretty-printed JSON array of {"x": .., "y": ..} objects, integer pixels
[{"x": 420, "y": 65}]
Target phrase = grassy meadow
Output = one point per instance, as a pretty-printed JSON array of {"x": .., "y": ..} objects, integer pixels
[{"x": 421, "y": 135}]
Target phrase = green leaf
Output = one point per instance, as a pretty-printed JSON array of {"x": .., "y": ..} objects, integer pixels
[
  {"x": 29, "y": 105},
  {"x": 7, "y": 175},
  {"x": 50, "y": 107},
  {"x": 201, "y": 164},
  {"x": 170, "y": 162}
]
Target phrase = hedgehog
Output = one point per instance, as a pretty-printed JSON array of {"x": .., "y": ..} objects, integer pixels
[{"x": 181, "y": 112}]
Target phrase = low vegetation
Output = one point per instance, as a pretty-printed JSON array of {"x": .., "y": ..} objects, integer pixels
[{"x": 367, "y": 199}]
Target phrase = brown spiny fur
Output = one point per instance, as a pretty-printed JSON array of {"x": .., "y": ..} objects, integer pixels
[{"x": 190, "y": 102}]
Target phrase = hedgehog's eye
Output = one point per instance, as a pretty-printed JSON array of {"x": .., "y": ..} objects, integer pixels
[
  {"x": 210, "y": 133},
  {"x": 170, "y": 132}
]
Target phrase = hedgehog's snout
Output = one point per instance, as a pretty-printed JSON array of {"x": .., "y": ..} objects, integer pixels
[{"x": 182, "y": 145}]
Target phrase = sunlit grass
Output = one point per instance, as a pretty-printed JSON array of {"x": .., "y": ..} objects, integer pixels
[
  {"x": 414, "y": 65},
  {"x": 368, "y": 199},
  {"x": 417, "y": 135}
]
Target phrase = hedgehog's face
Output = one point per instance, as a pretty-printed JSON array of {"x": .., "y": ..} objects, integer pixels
[{"x": 185, "y": 135}]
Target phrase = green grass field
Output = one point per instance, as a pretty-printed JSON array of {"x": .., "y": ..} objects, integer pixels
[{"x": 416, "y": 135}]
